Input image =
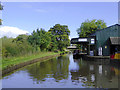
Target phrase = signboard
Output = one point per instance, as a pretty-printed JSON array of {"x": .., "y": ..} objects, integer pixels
[
  {"x": 92, "y": 41},
  {"x": 82, "y": 39}
]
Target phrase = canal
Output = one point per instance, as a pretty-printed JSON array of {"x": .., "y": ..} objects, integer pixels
[{"x": 64, "y": 72}]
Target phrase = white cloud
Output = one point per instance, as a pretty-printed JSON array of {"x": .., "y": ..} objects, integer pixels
[{"x": 11, "y": 31}]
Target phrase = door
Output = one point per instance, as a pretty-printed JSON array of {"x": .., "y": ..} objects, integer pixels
[{"x": 100, "y": 51}]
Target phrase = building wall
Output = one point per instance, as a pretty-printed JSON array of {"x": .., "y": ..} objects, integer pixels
[{"x": 102, "y": 38}]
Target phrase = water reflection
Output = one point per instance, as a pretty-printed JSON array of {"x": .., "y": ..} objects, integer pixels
[
  {"x": 54, "y": 68},
  {"x": 74, "y": 65},
  {"x": 96, "y": 74},
  {"x": 64, "y": 71}
]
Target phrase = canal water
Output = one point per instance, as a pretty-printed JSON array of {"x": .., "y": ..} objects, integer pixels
[{"x": 65, "y": 72}]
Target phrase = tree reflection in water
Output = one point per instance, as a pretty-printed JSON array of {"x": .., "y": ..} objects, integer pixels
[{"x": 56, "y": 68}]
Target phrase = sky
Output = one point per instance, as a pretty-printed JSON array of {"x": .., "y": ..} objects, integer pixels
[{"x": 24, "y": 17}]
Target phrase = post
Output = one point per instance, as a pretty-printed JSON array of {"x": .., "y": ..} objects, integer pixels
[
  {"x": 81, "y": 48},
  {"x": 89, "y": 49}
]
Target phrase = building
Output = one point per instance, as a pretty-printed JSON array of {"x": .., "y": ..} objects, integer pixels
[
  {"x": 108, "y": 39},
  {"x": 103, "y": 42}
]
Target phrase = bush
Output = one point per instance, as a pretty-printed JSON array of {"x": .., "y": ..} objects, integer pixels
[{"x": 11, "y": 47}]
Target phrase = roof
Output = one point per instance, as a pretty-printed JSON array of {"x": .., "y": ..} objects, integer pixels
[
  {"x": 71, "y": 47},
  {"x": 115, "y": 40},
  {"x": 94, "y": 34}
]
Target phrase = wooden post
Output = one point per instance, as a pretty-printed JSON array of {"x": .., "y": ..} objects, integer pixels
[{"x": 89, "y": 49}]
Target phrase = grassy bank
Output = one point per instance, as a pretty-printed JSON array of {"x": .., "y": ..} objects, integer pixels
[{"x": 9, "y": 62}]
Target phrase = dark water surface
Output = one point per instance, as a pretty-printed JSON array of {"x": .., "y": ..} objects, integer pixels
[{"x": 65, "y": 72}]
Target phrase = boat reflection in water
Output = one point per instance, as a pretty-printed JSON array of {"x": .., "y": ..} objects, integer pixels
[
  {"x": 98, "y": 74},
  {"x": 76, "y": 54}
]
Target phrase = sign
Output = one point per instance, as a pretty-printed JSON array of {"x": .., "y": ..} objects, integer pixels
[
  {"x": 82, "y": 39},
  {"x": 92, "y": 41}
]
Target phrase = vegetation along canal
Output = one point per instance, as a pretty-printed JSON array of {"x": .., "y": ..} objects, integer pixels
[{"x": 64, "y": 72}]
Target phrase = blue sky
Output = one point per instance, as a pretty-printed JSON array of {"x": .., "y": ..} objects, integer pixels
[{"x": 28, "y": 16}]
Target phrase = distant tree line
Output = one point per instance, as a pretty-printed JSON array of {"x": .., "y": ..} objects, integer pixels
[{"x": 56, "y": 39}]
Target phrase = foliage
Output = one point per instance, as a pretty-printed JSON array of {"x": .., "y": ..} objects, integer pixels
[
  {"x": 15, "y": 47},
  {"x": 1, "y": 8},
  {"x": 88, "y": 27},
  {"x": 57, "y": 38},
  {"x": 40, "y": 38},
  {"x": 61, "y": 33},
  {"x": 6, "y": 44},
  {"x": 53, "y": 44},
  {"x": 23, "y": 44}
]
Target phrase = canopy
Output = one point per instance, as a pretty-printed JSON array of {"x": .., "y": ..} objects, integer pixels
[{"x": 115, "y": 40}]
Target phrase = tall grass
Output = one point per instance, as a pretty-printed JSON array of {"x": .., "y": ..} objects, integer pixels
[{"x": 13, "y": 49}]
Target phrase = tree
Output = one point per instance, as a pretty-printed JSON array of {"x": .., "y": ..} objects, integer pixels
[
  {"x": 39, "y": 38},
  {"x": 88, "y": 27},
  {"x": 21, "y": 39},
  {"x": 61, "y": 33},
  {"x": 53, "y": 44},
  {"x": 22, "y": 44}
]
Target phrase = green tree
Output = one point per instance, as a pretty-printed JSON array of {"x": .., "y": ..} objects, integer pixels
[
  {"x": 16, "y": 46},
  {"x": 21, "y": 39},
  {"x": 40, "y": 38},
  {"x": 53, "y": 44},
  {"x": 23, "y": 44},
  {"x": 8, "y": 48},
  {"x": 88, "y": 27},
  {"x": 61, "y": 33}
]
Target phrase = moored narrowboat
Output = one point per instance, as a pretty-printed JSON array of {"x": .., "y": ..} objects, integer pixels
[{"x": 115, "y": 57}]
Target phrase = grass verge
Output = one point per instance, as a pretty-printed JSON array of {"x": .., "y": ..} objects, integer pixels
[{"x": 9, "y": 62}]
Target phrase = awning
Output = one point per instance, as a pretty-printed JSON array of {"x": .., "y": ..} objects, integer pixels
[
  {"x": 71, "y": 47},
  {"x": 115, "y": 40}
]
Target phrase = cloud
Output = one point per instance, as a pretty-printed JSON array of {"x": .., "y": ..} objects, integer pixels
[{"x": 11, "y": 31}]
